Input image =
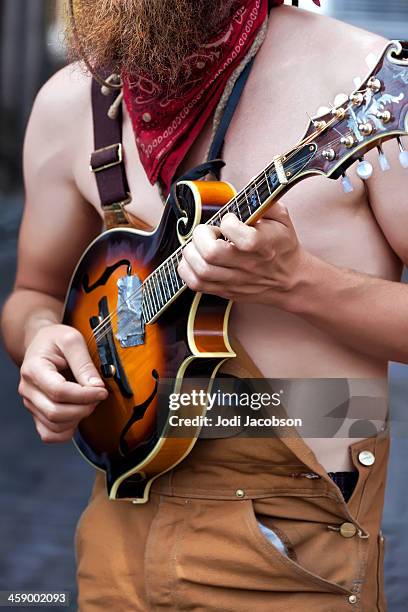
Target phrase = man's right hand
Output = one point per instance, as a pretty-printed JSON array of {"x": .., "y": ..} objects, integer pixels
[{"x": 57, "y": 404}]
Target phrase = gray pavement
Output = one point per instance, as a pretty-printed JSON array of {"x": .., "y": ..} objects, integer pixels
[{"x": 44, "y": 489}]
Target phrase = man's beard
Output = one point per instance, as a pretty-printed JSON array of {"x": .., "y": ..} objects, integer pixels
[{"x": 152, "y": 37}]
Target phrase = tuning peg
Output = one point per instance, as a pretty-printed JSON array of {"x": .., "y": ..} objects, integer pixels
[
  {"x": 382, "y": 159},
  {"x": 403, "y": 156},
  {"x": 339, "y": 113},
  {"x": 322, "y": 111},
  {"x": 112, "y": 82},
  {"x": 371, "y": 60},
  {"x": 113, "y": 111},
  {"x": 364, "y": 170},
  {"x": 357, "y": 82},
  {"x": 347, "y": 184},
  {"x": 340, "y": 100}
]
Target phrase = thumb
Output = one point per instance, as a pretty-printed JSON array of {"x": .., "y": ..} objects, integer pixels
[{"x": 79, "y": 360}]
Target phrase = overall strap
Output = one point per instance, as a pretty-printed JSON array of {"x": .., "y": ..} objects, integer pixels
[
  {"x": 214, "y": 163},
  {"x": 107, "y": 159},
  {"x": 218, "y": 140}
]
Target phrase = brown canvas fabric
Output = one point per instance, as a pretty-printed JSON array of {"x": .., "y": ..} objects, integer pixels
[{"x": 197, "y": 544}]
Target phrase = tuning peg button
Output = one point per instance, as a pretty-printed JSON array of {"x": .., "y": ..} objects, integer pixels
[
  {"x": 341, "y": 99},
  {"x": 383, "y": 161},
  {"x": 371, "y": 60},
  {"x": 403, "y": 156},
  {"x": 322, "y": 111},
  {"x": 347, "y": 184},
  {"x": 364, "y": 170}
]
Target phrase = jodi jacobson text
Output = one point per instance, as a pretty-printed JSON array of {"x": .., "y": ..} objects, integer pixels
[{"x": 235, "y": 421}]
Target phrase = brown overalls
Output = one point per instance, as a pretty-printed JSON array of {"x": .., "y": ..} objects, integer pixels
[{"x": 197, "y": 544}]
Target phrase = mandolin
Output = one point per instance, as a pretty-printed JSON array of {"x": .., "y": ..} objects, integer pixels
[{"x": 151, "y": 336}]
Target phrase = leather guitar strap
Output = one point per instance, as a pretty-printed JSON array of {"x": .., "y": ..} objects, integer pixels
[{"x": 107, "y": 159}]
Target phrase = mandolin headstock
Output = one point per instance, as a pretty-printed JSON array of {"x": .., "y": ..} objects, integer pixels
[{"x": 375, "y": 112}]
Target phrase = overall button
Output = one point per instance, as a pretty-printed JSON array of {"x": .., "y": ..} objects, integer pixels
[
  {"x": 352, "y": 599},
  {"x": 240, "y": 493},
  {"x": 348, "y": 530},
  {"x": 366, "y": 458}
]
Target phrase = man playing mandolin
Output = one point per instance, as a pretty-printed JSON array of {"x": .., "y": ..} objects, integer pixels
[{"x": 275, "y": 523}]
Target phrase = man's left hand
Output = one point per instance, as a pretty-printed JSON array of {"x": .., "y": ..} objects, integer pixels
[{"x": 263, "y": 263}]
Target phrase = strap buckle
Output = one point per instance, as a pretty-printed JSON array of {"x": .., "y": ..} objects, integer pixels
[
  {"x": 107, "y": 157},
  {"x": 116, "y": 206},
  {"x": 114, "y": 213}
]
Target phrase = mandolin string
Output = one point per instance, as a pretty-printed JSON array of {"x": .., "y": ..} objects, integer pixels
[
  {"x": 234, "y": 206},
  {"x": 233, "y": 202}
]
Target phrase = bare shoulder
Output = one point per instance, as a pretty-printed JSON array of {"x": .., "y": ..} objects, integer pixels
[
  {"x": 60, "y": 112},
  {"x": 345, "y": 43},
  {"x": 61, "y": 105},
  {"x": 67, "y": 92},
  {"x": 328, "y": 45}
]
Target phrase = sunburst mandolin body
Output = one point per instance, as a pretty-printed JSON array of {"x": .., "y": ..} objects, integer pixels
[{"x": 188, "y": 341}]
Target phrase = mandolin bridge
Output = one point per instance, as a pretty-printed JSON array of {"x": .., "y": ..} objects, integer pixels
[
  {"x": 110, "y": 363},
  {"x": 131, "y": 329}
]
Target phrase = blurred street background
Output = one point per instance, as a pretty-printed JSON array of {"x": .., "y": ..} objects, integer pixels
[{"x": 44, "y": 489}]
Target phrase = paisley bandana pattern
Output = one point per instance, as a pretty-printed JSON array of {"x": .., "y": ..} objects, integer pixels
[{"x": 166, "y": 122}]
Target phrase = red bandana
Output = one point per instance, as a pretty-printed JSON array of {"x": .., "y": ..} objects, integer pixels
[{"x": 166, "y": 124}]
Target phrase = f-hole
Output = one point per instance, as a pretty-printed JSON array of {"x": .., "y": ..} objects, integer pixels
[
  {"x": 105, "y": 276},
  {"x": 138, "y": 414}
]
